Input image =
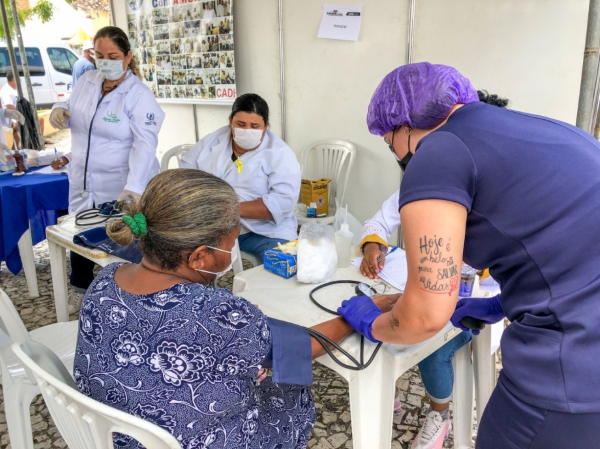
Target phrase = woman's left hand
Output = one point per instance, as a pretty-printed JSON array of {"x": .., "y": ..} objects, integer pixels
[{"x": 262, "y": 375}]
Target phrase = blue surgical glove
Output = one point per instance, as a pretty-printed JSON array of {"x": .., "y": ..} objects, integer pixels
[
  {"x": 488, "y": 310},
  {"x": 360, "y": 312}
]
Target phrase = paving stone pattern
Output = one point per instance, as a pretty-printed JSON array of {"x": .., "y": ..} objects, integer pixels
[{"x": 332, "y": 429}]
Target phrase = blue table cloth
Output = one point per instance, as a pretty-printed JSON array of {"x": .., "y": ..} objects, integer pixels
[{"x": 28, "y": 199}]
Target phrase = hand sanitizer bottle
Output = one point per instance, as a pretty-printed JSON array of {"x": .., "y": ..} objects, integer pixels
[{"x": 343, "y": 242}]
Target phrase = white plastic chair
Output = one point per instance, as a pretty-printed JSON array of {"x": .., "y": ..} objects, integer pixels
[
  {"x": 83, "y": 422},
  {"x": 238, "y": 265},
  {"x": 178, "y": 152},
  {"x": 329, "y": 158},
  {"x": 17, "y": 387}
]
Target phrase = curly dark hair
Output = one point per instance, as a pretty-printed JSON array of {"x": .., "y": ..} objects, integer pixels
[{"x": 492, "y": 99}]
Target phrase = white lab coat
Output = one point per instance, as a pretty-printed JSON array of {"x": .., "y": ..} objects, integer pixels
[
  {"x": 3, "y": 122},
  {"x": 385, "y": 221},
  {"x": 8, "y": 96},
  {"x": 270, "y": 172},
  {"x": 123, "y": 141}
]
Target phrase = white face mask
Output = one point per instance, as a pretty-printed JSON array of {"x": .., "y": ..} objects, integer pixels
[
  {"x": 111, "y": 69},
  {"x": 247, "y": 139},
  {"x": 220, "y": 273}
]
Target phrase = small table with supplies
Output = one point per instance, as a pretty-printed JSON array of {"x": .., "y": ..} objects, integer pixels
[
  {"x": 372, "y": 389},
  {"x": 27, "y": 205},
  {"x": 60, "y": 238}
]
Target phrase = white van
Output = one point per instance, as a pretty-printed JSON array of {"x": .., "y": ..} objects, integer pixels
[{"x": 50, "y": 68}]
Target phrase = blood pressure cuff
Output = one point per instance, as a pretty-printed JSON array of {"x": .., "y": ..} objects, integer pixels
[
  {"x": 96, "y": 238},
  {"x": 290, "y": 355}
]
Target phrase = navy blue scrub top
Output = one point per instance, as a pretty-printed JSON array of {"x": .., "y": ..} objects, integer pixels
[{"x": 531, "y": 186}]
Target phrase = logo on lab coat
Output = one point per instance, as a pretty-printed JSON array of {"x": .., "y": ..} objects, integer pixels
[
  {"x": 150, "y": 117},
  {"x": 111, "y": 117}
]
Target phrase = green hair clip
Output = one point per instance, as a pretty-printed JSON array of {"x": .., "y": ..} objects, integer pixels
[{"x": 137, "y": 223}]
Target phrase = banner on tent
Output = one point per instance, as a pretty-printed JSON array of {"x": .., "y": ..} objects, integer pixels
[{"x": 184, "y": 49}]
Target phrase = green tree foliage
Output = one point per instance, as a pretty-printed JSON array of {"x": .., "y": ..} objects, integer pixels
[{"x": 44, "y": 10}]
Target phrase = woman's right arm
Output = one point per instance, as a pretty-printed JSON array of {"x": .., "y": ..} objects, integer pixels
[
  {"x": 338, "y": 329},
  {"x": 60, "y": 120},
  {"x": 290, "y": 354}
]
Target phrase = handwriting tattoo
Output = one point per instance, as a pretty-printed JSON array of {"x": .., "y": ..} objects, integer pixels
[{"x": 443, "y": 276}]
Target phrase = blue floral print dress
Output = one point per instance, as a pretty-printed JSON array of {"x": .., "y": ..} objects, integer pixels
[{"x": 186, "y": 358}]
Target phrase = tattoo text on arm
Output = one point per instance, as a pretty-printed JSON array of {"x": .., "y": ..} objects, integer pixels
[{"x": 437, "y": 271}]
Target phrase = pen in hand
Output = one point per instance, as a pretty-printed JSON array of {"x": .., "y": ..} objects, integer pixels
[
  {"x": 386, "y": 254},
  {"x": 56, "y": 163}
]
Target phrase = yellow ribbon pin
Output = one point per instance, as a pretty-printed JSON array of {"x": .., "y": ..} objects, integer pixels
[{"x": 239, "y": 165}]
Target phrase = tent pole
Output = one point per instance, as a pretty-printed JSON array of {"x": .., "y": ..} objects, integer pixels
[
  {"x": 25, "y": 65},
  {"x": 586, "y": 107},
  {"x": 281, "y": 71},
  {"x": 11, "y": 50},
  {"x": 411, "y": 31}
]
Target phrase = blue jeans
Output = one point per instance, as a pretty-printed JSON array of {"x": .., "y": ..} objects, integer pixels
[
  {"x": 256, "y": 244},
  {"x": 436, "y": 370}
]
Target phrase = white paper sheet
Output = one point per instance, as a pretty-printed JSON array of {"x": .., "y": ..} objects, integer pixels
[
  {"x": 50, "y": 171},
  {"x": 395, "y": 270},
  {"x": 341, "y": 22}
]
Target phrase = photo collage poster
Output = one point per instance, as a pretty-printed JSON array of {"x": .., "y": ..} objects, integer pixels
[{"x": 184, "y": 48}]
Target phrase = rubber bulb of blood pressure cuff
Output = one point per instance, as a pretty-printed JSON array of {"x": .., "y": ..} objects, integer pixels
[{"x": 343, "y": 243}]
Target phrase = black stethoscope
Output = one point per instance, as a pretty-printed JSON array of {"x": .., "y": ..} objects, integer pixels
[
  {"x": 84, "y": 193},
  {"x": 360, "y": 289}
]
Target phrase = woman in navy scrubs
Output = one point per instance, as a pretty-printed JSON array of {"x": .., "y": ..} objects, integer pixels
[{"x": 517, "y": 193}]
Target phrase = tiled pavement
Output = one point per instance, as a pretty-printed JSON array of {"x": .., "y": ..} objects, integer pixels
[{"x": 332, "y": 429}]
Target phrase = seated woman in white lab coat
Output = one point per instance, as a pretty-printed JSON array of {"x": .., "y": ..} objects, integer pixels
[{"x": 262, "y": 169}]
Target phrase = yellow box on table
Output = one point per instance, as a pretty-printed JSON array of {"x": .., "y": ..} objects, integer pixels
[{"x": 316, "y": 192}]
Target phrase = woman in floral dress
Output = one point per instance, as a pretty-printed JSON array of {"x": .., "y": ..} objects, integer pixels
[{"x": 157, "y": 342}]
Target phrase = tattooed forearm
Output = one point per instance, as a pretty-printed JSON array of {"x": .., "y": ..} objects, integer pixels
[
  {"x": 394, "y": 323},
  {"x": 437, "y": 271}
]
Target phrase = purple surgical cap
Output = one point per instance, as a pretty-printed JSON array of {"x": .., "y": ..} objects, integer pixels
[{"x": 420, "y": 95}]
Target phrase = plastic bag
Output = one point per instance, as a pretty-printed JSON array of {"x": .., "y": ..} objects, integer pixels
[{"x": 317, "y": 257}]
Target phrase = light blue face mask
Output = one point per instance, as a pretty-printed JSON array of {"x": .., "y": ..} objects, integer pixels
[
  {"x": 220, "y": 273},
  {"x": 111, "y": 69}
]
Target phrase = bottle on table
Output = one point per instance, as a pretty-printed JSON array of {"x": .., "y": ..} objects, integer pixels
[{"x": 343, "y": 243}]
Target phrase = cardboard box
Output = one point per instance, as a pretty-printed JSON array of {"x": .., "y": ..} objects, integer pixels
[
  {"x": 317, "y": 192},
  {"x": 285, "y": 265}
]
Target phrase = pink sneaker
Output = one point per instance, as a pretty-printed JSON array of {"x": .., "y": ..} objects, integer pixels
[
  {"x": 397, "y": 403},
  {"x": 433, "y": 433}
]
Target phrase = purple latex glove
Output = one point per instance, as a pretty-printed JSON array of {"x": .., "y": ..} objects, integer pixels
[
  {"x": 360, "y": 312},
  {"x": 488, "y": 310}
]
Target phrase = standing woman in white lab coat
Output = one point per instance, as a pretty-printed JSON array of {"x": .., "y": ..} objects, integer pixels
[
  {"x": 262, "y": 169},
  {"x": 114, "y": 121}
]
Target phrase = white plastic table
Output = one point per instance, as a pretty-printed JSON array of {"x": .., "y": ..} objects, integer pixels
[
  {"x": 371, "y": 390},
  {"x": 60, "y": 238}
]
